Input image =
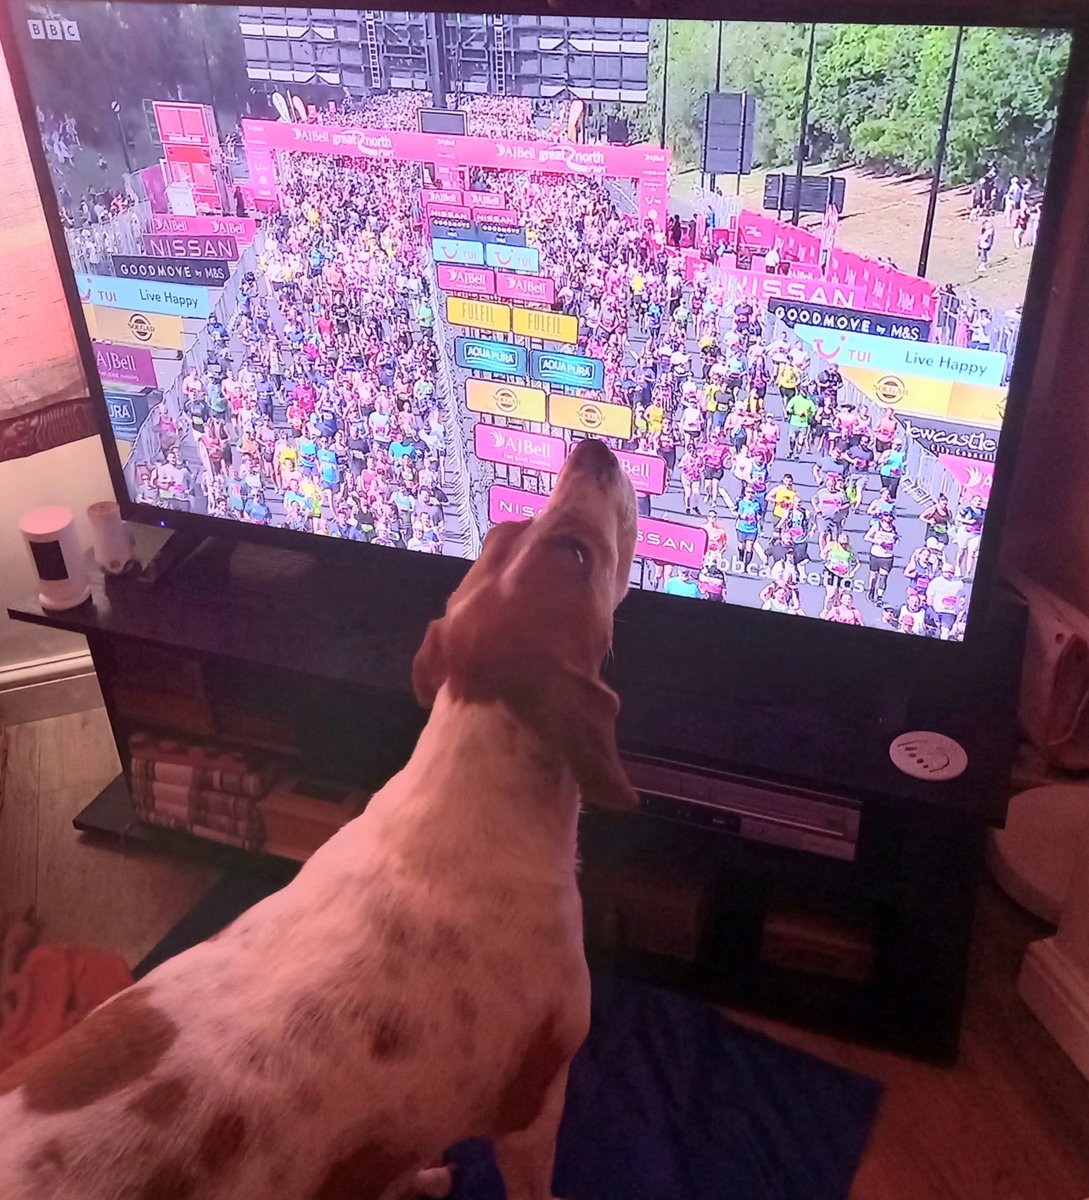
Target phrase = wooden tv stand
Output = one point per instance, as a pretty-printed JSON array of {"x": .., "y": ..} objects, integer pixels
[{"x": 873, "y": 947}]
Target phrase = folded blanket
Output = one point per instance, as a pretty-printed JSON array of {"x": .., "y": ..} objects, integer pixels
[{"x": 45, "y": 989}]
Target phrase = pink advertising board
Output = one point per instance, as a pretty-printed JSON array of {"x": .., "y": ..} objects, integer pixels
[
  {"x": 529, "y": 289},
  {"x": 671, "y": 542},
  {"x": 177, "y": 245},
  {"x": 441, "y": 196},
  {"x": 514, "y": 448},
  {"x": 662, "y": 541},
  {"x": 511, "y": 504},
  {"x": 508, "y": 218},
  {"x": 975, "y": 477},
  {"x": 242, "y": 229},
  {"x": 647, "y": 472},
  {"x": 449, "y": 214},
  {"x": 478, "y": 280},
  {"x": 647, "y": 165},
  {"x": 759, "y": 286},
  {"x": 125, "y": 364},
  {"x": 486, "y": 199}
]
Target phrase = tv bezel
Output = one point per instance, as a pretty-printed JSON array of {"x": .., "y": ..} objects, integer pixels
[{"x": 821, "y": 642}]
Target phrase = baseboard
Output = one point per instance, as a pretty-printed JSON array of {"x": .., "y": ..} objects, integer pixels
[
  {"x": 1058, "y": 995},
  {"x": 49, "y": 687}
]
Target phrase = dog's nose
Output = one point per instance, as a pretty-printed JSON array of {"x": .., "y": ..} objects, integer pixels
[{"x": 592, "y": 455}]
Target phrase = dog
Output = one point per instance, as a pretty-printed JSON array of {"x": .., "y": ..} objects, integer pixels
[{"x": 422, "y": 980}]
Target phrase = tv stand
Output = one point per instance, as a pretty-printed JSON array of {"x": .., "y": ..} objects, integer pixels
[{"x": 720, "y": 884}]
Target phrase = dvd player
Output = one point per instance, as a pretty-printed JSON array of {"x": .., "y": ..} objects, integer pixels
[{"x": 798, "y": 818}]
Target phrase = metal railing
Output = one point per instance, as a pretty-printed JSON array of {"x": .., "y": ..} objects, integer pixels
[
  {"x": 146, "y": 448},
  {"x": 923, "y": 474},
  {"x": 90, "y": 246},
  {"x": 456, "y": 481}
]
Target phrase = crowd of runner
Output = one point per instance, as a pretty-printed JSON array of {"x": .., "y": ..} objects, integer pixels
[{"x": 322, "y": 409}]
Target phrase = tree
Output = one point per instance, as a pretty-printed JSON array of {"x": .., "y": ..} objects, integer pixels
[{"x": 877, "y": 97}]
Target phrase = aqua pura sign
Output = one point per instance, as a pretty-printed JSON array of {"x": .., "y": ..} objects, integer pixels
[
  {"x": 567, "y": 370},
  {"x": 480, "y": 354}
]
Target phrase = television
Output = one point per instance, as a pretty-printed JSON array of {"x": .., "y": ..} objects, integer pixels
[{"x": 346, "y": 275}]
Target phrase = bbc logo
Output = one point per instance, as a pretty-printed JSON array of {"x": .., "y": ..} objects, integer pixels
[{"x": 53, "y": 30}]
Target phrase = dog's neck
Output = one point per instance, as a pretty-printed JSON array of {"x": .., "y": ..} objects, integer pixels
[{"x": 483, "y": 782}]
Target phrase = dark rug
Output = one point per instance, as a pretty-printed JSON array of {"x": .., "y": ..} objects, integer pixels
[{"x": 667, "y": 1099}]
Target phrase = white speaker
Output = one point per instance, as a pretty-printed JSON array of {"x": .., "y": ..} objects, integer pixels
[
  {"x": 58, "y": 559},
  {"x": 110, "y": 536}
]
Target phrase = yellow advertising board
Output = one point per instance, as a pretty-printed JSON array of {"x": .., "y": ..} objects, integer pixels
[
  {"x": 89, "y": 317},
  {"x": 478, "y": 314},
  {"x": 505, "y": 400},
  {"x": 931, "y": 397},
  {"x": 135, "y": 328},
  {"x": 590, "y": 416},
  {"x": 550, "y": 326}
]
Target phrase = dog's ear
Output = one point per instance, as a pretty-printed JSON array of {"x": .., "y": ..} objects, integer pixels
[
  {"x": 581, "y": 721},
  {"x": 429, "y": 667},
  {"x": 435, "y": 659}
]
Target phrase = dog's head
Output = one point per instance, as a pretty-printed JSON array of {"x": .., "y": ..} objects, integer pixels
[{"x": 532, "y": 621}]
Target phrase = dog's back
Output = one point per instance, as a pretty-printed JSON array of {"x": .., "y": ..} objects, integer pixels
[{"x": 421, "y": 980}]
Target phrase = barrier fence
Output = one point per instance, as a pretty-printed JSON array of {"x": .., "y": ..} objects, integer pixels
[{"x": 923, "y": 473}]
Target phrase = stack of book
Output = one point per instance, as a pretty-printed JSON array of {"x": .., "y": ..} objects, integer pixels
[
  {"x": 248, "y": 799},
  {"x": 207, "y": 790}
]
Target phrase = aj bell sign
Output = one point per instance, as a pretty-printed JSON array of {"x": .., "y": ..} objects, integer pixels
[{"x": 850, "y": 320}]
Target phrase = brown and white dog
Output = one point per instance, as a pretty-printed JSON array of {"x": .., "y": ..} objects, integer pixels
[{"x": 423, "y": 979}]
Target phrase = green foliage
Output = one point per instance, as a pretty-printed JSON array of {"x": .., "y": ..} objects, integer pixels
[{"x": 877, "y": 96}]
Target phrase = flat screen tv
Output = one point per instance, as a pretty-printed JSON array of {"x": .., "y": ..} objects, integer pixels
[{"x": 367, "y": 276}]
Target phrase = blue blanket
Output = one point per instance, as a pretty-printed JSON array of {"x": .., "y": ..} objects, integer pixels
[{"x": 667, "y": 1100}]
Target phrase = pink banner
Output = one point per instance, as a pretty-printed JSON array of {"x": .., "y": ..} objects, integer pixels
[
  {"x": 804, "y": 271},
  {"x": 756, "y": 285},
  {"x": 441, "y": 196},
  {"x": 513, "y": 448},
  {"x": 165, "y": 245},
  {"x": 647, "y": 472},
  {"x": 125, "y": 364},
  {"x": 486, "y": 199},
  {"x": 531, "y": 289},
  {"x": 974, "y": 477},
  {"x": 762, "y": 233},
  {"x": 511, "y": 504},
  {"x": 648, "y": 165},
  {"x": 693, "y": 261},
  {"x": 478, "y": 280},
  {"x": 757, "y": 232},
  {"x": 669, "y": 542},
  {"x": 662, "y": 541},
  {"x": 910, "y": 296},
  {"x": 242, "y": 229},
  {"x": 507, "y": 218}
]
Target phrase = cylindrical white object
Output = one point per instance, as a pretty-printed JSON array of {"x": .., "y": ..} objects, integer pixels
[
  {"x": 110, "y": 536},
  {"x": 58, "y": 558}
]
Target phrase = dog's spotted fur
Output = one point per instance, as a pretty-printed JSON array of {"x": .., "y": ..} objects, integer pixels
[{"x": 422, "y": 980}]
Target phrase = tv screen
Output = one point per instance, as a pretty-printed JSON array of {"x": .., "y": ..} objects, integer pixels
[{"x": 370, "y": 275}]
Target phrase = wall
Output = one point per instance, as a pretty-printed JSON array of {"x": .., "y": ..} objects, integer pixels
[
  {"x": 74, "y": 475},
  {"x": 1048, "y": 528}
]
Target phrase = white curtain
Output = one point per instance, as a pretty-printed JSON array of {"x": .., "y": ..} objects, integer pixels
[{"x": 43, "y": 393}]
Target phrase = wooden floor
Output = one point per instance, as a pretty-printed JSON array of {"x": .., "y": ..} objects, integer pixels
[{"x": 1009, "y": 1122}]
